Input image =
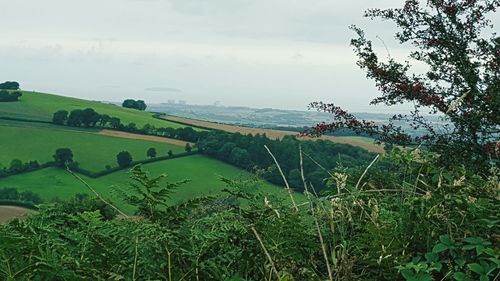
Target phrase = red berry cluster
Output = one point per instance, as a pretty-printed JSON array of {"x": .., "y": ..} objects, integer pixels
[
  {"x": 378, "y": 70},
  {"x": 450, "y": 10},
  {"x": 435, "y": 42}
]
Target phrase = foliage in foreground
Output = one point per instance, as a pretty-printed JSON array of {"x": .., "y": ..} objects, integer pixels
[{"x": 418, "y": 222}]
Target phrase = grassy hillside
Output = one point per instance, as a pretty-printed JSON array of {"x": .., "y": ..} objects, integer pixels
[
  {"x": 203, "y": 172},
  {"x": 31, "y": 141},
  {"x": 41, "y": 106}
]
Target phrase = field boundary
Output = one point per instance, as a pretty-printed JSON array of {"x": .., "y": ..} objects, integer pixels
[
  {"x": 95, "y": 175},
  {"x": 25, "y": 120}
]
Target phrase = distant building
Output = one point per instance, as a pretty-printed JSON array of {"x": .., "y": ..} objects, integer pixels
[
  {"x": 171, "y": 101},
  {"x": 182, "y": 102}
]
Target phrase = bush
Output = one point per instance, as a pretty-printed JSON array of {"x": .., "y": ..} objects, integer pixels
[{"x": 124, "y": 159}]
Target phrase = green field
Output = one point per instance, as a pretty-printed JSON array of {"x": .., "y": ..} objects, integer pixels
[
  {"x": 31, "y": 141},
  {"x": 41, "y": 106},
  {"x": 203, "y": 172}
]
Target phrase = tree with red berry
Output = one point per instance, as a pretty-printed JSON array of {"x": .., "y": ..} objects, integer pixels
[{"x": 455, "y": 39}]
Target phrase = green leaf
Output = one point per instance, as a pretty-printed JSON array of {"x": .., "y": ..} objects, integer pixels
[
  {"x": 445, "y": 239},
  {"x": 440, "y": 248},
  {"x": 431, "y": 257},
  {"x": 459, "y": 276},
  {"x": 476, "y": 240},
  {"x": 460, "y": 262},
  {"x": 469, "y": 247},
  {"x": 475, "y": 267}
]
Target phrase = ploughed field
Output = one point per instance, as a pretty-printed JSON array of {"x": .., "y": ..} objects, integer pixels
[{"x": 8, "y": 213}]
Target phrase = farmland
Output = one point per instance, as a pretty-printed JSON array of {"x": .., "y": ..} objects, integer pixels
[
  {"x": 9, "y": 212},
  {"x": 204, "y": 175},
  {"x": 363, "y": 142},
  {"x": 92, "y": 150}
]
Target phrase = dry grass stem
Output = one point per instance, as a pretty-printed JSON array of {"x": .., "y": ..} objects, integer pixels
[
  {"x": 284, "y": 179},
  {"x": 96, "y": 194},
  {"x": 266, "y": 253},
  {"x": 323, "y": 246},
  {"x": 366, "y": 170}
]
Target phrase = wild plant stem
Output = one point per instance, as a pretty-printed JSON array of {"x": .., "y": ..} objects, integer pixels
[
  {"x": 95, "y": 192},
  {"x": 266, "y": 252},
  {"x": 323, "y": 246},
  {"x": 366, "y": 170},
  {"x": 284, "y": 179},
  {"x": 135, "y": 258}
]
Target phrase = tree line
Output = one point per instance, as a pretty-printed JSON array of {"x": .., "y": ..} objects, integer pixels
[
  {"x": 248, "y": 152},
  {"x": 17, "y": 166},
  {"x": 89, "y": 118},
  {"x": 13, "y": 195}
]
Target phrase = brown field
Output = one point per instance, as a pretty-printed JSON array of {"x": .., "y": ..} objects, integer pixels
[
  {"x": 8, "y": 213},
  {"x": 125, "y": 135},
  {"x": 362, "y": 142}
]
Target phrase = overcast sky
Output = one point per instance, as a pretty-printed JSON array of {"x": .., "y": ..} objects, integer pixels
[{"x": 259, "y": 53}]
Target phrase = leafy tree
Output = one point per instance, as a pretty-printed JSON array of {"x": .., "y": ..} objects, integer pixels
[
  {"x": 131, "y": 127},
  {"x": 135, "y": 104},
  {"x": 170, "y": 153},
  {"x": 75, "y": 118},
  {"x": 461, "y": 83},
  {"x": 89, "y": 117},
  {"x": 9, "y": 193},
  {"x": 104, "y": 119},
  {"x": 30, "y": 197},
  {"x": 240, "y": 157},
  {"x": 16, "y": 166},
  {"x": 295, "y": 179},
  {"x": 124, "y": 159},
  {"x": 115, "y": 122},
  {"x": 63, "y": 157},
  {"x": 6, "y": 96},
  {"x": 9, "y": 85},
  {"x": 60, "y": 117},
  {"x": 188, "y": 147},
  {"x": 151, "y": 153},
  {"x": 225, "y": 151}
]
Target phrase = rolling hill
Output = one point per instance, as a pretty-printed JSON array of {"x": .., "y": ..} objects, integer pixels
[
  {"x": 32, "y": 137},
  {"x": 41, "y": 106}
]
